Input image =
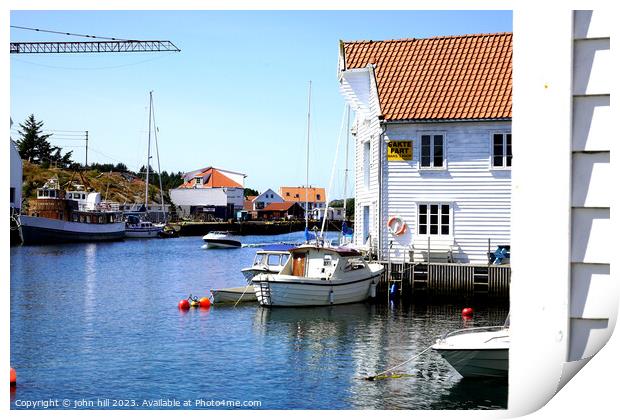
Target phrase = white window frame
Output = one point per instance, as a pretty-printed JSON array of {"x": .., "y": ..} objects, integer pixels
[
  {"x": 444, "y": 162},
  {"x": 503, "y": 167},
  {"x": 366, "y": 159},
  {"x": 450, "y": 233}
]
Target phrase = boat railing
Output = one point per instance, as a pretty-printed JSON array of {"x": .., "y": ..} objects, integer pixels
[{"x": 476, "y": 329}]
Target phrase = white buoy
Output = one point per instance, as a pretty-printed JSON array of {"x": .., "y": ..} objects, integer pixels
[{"x": 373, "y": 290}]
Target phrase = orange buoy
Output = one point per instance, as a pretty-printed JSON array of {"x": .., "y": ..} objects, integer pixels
[
  {"x": 205, "y": 303},
  {"x": 13, "y": 377},
  {"x": 467, "y": 312},
  {"x": 184, "y": 305}
]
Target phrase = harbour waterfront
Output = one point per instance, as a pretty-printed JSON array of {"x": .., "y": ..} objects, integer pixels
[{"x": 95, "y": 322}]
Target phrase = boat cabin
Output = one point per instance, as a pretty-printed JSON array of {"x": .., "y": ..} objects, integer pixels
[{"x": 322, "y": 263}]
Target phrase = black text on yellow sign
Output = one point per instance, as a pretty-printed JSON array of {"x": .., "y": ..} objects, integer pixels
[{"x": 400, "y": 150}]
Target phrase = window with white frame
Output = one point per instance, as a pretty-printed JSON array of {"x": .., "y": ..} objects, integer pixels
[
  {"x": 434, "y": 219},
  {"x": 432, "y": 151},
  {"x": 501, "y": 150},
  {"x": 366, "y": 162}
]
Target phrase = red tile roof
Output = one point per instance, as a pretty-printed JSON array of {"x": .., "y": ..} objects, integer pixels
[
  {"x": 298, "y": 194},
  {"x": 212, "y": 178},
  {"x": 450, "y": 77},
  {"x": 279, "y": 206}
]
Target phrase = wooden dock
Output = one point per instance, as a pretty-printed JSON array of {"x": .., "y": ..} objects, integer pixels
[{"x": 452, "y": 281}]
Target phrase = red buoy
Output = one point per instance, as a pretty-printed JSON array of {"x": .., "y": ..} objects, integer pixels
[
  {"x": 13, "y": 377},
  {"x": 467, "y": 312},
  {"x": 184, "y": 305},
  {"x": 205, "y": 303}
]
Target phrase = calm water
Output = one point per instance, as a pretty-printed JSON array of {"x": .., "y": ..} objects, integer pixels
[{"x": 100, "y": 321}]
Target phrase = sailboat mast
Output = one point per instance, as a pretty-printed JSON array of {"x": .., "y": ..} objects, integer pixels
[
  {"x": 148, "y": 157},
  {"x": 346, "y": 161},
  {"x": 308, "y": 149},
  {"x": 161, "y": 190}
]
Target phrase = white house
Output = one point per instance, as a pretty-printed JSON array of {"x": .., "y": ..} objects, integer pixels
[
  {"x": 209, "y": 193},
  {"x": 267, "y": 197},
  {"x": 333, "y": 213},
  {"x": 433, "y": 142}
]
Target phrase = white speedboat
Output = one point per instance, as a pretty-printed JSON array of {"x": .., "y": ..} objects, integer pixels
[
  {"x": 477, "y": 352},
  {"x": 234, "y": 294},
  {"x": 221, "y": 240},
  {"x": 268, "y": 259},
  {"x": 316, "y": 276},
  {"x": 141, "y": 229}
]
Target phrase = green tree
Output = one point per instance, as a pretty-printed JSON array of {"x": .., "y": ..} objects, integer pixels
[
  {"x": 249, "y": 191},
  {"x": 35, "y": 147}
]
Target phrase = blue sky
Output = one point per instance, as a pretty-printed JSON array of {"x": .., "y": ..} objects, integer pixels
[{"x": 235, "y": 97}]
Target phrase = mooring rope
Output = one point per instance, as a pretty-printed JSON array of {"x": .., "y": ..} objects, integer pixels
[
  {"x": 378, "y": 375},
  {"x": 242, "y": 294}
]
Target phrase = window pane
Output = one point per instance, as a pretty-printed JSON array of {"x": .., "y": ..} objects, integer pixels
[
  {"x": 445, "y": 209},
  {"x": 422, "y": 208},
  {"x": 508, "y": 149},
  {"x": 422, "y": 229},
  {"x": 434, "y": 230},
  {"x": 445, "y": 230},
  {"x": 445, "y": 219},
  {"x": 434, "y": 219},
  {"x": 426, "y": 151},
  {"x": 423, "y": 219},
  {"x": 434, "y": 208},
  {"x": 498, "y": 161},
  {"x": 438, "y": 151}
]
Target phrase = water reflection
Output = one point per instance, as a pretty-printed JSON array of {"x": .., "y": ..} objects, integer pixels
[{"x": 78, "y": 311}]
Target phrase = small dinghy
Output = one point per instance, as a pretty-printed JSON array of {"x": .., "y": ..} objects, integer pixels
[{"x": 234, "y": 294}]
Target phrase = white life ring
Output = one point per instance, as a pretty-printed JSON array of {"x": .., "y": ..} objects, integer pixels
[{"x": 396, "y": 225}]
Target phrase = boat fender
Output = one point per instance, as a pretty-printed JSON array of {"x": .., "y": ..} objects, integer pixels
[
  {"x": 373, "y": 290},
  {"x": 331, "y": 297},
  {"x": 13, "y": 377},
  {"x": 393, "y": 290},
  {"x": 467, "y": 312},
  {"x": 396, "y": 225}
]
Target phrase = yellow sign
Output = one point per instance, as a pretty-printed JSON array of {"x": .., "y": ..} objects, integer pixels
[{"x": 400, "y": 150}]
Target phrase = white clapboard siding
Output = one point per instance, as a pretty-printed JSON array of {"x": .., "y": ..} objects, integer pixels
[
  {"x": 593, "y": 293},
  {"x": 357, "y": 86},
  {"x": 480, "y": 196}
]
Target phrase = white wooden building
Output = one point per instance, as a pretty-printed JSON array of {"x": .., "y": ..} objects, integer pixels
[
  {"x": 209, "y": 193},
  {"x": 433, "y": 142},
  {"x": 265, "y": 198}
]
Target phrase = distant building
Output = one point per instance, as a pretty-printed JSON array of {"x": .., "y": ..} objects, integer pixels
[
  {"x": 261, "y": 201},
  {"x": 333, "y": 213},
  {"x": 313, "y": 195},
  {"x": 285, "y": 210},
  {"x": 433, "y": 142},
  {"x": 209, "y": 194}
]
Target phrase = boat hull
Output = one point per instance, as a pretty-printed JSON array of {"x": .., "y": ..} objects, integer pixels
[
  {"x": 478, "y": 363},
  {"x": 312, "y": 292},
  {"x": 142, "y": 233},
  {"x": 222, "y": 243},
  {"x": 234, "y": 294},
  {"x": 41, "y": 230}
]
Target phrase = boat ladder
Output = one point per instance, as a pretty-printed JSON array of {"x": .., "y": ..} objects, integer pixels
[{"x": 265, "y": 293}]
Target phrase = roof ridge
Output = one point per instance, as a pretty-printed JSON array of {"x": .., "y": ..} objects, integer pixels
[{"x": 371, "y": 41}]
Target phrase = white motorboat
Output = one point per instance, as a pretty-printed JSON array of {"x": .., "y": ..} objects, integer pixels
[
  {"x": 316, "y": 276},
  {"x": 75, "y": 215},
  {"x": 221, "y": 240},
  {"x": 268, "y": 259},
  {"x": 141, "y": 229},
  {"x": 477, "y": 352},
  {"x": 234, "y": 294}
]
